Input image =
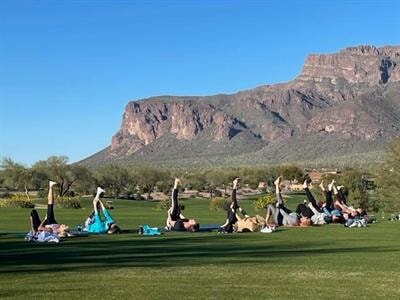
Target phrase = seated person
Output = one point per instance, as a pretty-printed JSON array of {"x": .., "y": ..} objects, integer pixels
[
  {"x": 94, "y": 223},
  {"x": 49, "y": 227},
  {"x": 176, "y": 220}
]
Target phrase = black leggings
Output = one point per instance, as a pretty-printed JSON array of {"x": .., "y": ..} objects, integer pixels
[
  {"x": 328, "y": 200},
  {"x": 311, "y": 198},
  {"x": 231, "y": 214},
  {"x": 304, "y": 210},
  {"x": 176, "y": 211},
  {"x": 50, "y": 219},
  {"x": 342, "y": 197},
  {"x": 232, "y": 209}
]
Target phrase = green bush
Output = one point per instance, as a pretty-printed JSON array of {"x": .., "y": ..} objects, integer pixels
[
  {"x": 263, "y": 201},
  {"x": 17, "y": 201},
  {"x": 68, "y": 202},
  {"x": 219, "y": 203}
]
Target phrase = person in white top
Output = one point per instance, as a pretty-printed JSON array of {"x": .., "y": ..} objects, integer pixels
[{"x": 49, "y": 224}]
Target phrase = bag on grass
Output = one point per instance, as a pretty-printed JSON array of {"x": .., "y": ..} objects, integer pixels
[{"x": 147, "y": 230}]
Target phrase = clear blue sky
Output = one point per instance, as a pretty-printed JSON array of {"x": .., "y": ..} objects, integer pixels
[{"x": 68, "y": 68}]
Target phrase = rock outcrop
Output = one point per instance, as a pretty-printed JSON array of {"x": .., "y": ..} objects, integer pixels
[
  {"x": 354, "y": 94},
  {"x": 364, "y": 64}
]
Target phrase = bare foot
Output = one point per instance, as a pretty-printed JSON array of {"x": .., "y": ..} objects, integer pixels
[
  {"x": 235, "y": 182},
  {"x": 52, "y": 183},
  {"x": 305, "y": 184},
  {"x": 100, "y": 190},
  {"x": 321, "y": 185},
  {"x": 330, "y": 186},
  {"x": 277, "y": 181},
  {"x": 176, "y": 183}
]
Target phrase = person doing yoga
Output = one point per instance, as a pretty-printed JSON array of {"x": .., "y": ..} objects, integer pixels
[
  {"x": 318, "y": 217},
  {"x": 232, "y": 218},
  {"x": 49, "y": 225},
  {"x": 329, "y": 207},
  {"x": 94, "y": 223},
  {"x": 282, "y": 215},
  {"x": 176, "y": 220}
]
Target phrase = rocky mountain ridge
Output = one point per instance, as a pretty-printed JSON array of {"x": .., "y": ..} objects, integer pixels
[{"x": 354, "y": 94}]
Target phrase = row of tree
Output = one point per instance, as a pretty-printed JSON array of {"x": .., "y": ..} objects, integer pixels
[
  {"x": 121, "y": 181},
  {"x": 131, "y": 181}
]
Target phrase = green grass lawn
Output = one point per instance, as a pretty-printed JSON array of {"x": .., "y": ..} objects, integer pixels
[{"x": 327, "y": 262}]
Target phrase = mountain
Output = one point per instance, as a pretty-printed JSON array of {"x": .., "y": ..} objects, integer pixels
[{"x": 341, "y": 104}]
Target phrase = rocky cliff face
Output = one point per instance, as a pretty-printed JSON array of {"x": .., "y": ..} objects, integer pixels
[
  {"x": 353, "y": 93},
  {"x": 364, "y": 64},
  {"x": 148, "y": 120}
]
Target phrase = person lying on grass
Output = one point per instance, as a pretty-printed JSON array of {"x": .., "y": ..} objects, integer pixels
[
  {"x": 175, "y": 219},
  {"x": 282, "y": 216},
  {"x": 351, "y": 217},
  {"x": 318, "y": 217},
  {"x": 94, "y": 223},
  {"x": 231, "y": 218},
  {"x": 48, "y": 228}
]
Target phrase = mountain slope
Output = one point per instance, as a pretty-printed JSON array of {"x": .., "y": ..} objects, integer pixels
[{"x": 342, "y": 103}]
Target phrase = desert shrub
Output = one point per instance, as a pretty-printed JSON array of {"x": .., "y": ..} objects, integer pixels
[
  {"x": 17, "y": 201},
  {"x": 219, "y": 203},
  {"x": 68, "y": 202},
  {"x": 262, "y": 202}
]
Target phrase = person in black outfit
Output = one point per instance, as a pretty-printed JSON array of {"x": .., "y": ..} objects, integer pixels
[
  {"x": 176, "y": 220},
  {"x": 234, "y": 207}
]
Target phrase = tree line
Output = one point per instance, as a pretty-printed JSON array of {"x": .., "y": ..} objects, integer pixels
[
  {"x": 135, "y": 181},
  {"x": 128, "y": 181}
]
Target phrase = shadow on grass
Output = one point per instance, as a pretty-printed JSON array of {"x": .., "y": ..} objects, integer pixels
[{"x": 95, "y": 253}]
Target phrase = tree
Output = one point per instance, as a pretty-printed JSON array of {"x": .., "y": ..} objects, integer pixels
[
  {"x": 215, "y": 178},
  {"x": 57, "y": 169},
  {"x": 17, "y": 176},
  {"x": 195, "y": 181},
  {"x": 85, "y": 180},
  {"x": 388, "y": 179},
  {"x": 149, "y": 177},
  {"x": 132, "y": 183},
  {"x": 356, "y": 184},
  {"x": 113, "y": 178},
  {"x": 289, "y": 172}
]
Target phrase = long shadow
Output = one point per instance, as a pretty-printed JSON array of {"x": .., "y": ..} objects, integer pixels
[{"x": 133, "y": 251}]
